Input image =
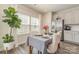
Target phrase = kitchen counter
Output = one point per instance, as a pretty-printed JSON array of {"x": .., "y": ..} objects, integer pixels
[
  {"x": 72, "y": 30},
  {"x": 71, "y": 36}
]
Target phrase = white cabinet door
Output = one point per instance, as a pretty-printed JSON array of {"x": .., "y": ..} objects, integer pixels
[
  {"x": 76, "y": 37},
  {"x": 68, "y": 18},
  {"x": 68, "y": 35},
  {"x": 76, "y": 17}
]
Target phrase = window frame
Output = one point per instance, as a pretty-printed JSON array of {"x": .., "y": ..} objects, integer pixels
[{"x": 29, "y": 25}]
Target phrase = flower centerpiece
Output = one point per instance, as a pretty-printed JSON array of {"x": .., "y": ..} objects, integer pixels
[{"x": 45, "y": 27}]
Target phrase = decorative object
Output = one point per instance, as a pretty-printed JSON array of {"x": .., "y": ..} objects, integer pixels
[
  {"x": 12, "y": 19},
  {"x": 45, "y": 27}
]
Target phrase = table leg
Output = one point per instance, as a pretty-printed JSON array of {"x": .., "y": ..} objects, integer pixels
[
  {"x": 6, "y": 50},
  {"x": 30, "y": 49},
  {"x": 38, "y": 52},
  {"x": 14, "y": 49}
]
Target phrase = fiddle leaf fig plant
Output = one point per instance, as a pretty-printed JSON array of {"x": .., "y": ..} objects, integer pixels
[
  {"x": 7, "y": 38},
  {"x": 12, "y": 19}
]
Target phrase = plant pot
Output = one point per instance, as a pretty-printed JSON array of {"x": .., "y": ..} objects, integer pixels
[{"x": 9, "y": 46}]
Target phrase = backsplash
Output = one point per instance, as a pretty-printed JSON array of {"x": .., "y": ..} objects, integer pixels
[{"x": 74, "y": 27}]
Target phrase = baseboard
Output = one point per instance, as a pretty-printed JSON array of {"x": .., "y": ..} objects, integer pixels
[
  {"x": 71, "y": 42},
  {"x": 20, "y": 44}
]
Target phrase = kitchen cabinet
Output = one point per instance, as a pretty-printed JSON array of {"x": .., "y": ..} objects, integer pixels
[
  {"x": 71, "y": 36},
  {"x": 68, "y": 35},
  {"x": 72, "y": 17},
  {"x": 68, "y": 18},
  {"x": 76, "y": 17},
  {"x": 76, "y": 37}
]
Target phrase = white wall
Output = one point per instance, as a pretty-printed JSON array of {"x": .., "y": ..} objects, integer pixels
[
  {"x": 28, "y": 11},
  {"x": 46, "y": 19}
]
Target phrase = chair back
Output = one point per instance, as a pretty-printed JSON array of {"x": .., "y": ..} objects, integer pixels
[
  {"x": 55, "y": 41},
  {"x": 58, "y": 37}
]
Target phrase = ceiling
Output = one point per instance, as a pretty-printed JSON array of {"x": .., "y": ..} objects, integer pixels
[{"x": 50, "y": 7}]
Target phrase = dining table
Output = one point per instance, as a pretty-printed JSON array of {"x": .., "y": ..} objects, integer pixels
[{"x": 39, "y": 42}]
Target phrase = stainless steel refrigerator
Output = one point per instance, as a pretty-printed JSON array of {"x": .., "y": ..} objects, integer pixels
[{"x": 58, "y": 25}]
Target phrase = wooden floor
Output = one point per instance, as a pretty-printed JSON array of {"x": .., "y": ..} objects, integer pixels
[
  {"x": 65, "y": 48},
  {"x": 68, "y": 48}
]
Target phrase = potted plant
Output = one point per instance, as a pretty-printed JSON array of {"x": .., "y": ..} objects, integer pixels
[{"x": 12, "y": 19}]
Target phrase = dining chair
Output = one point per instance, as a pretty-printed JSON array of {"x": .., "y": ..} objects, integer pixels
[{"x": 52, "y": 48}]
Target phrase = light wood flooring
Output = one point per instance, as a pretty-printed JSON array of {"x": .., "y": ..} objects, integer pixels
[{"x": 65, "y": 48}]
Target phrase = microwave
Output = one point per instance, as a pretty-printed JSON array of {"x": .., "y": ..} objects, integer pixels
[{"x": 67, "y": 27}]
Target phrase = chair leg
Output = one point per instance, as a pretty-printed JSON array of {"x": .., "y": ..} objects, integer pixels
[
  {"x": 30, "y": 49},
  {"x": 58, "y": 45}
]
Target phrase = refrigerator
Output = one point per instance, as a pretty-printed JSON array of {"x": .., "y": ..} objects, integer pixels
[{"x": 58, "y": 25}]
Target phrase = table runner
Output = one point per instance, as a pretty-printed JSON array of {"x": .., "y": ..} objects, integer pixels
[{"x": 38, "y": 42}]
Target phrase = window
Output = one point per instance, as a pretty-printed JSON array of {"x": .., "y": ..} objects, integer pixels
[
  {"x": 35, "y": 24},
  {"x": 25, "y": 19},
  {"x": 24, "y": 25},
  {"x": 29, "y": 24}
]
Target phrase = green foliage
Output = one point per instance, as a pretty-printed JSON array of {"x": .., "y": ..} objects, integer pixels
[
  {"x": 12, "y": 19},
  {"x": 8, "y": 38}
]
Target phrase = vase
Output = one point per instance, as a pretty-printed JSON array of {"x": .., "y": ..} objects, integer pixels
[
  {"x": 9, "y": 45},
  {"x": 46, "y": 32}
]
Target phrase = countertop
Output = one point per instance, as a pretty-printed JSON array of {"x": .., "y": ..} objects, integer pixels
[{"x": 72, "y": 30}]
